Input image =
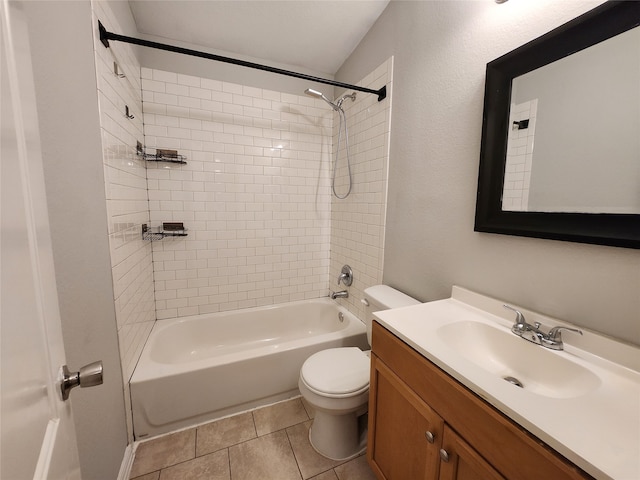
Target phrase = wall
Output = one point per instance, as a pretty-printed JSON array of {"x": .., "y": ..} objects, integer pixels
[
  {"x": 65, "y": 81},
  {"x": 253, "y": 195},
  {"x": 225, "y": 72},
  {"x": 125, "y": 190},
  {"x": 440, "y": 51},
  {"x": 357, "y": 222}
]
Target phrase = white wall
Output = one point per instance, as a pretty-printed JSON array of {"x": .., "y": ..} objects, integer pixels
[
  {"x": 125, "y": 190},
  {"x": 65, "y": 81},
  {"x": 440, "y": 51},
  {"x": 254, "y": 194},
  {"x": 225, "y": 72}
]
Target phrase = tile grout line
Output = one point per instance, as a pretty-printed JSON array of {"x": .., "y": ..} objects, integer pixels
[
  {"x": 253, "y": 419},
  {"x": 293, "y": 451}
]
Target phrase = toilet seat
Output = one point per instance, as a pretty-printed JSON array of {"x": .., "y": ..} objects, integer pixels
[{"x": 337, "y": 372}]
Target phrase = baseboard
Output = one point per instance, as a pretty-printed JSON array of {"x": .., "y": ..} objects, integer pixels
[{"x": 127, "y": 462}]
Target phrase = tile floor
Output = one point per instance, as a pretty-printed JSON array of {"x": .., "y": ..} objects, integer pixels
[{"x": 269, "y": 443}]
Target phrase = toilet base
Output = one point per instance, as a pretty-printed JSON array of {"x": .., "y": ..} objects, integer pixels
[{"x": 339, "y": 437}]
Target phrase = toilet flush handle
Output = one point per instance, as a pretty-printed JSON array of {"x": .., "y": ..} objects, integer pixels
[{"x": 365, "y": 302}]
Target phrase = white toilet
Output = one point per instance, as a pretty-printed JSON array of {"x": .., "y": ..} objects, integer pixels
[{"x": 335, "y": 382}]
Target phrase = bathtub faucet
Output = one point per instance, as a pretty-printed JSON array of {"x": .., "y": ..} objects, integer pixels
[{"x": 342, "y": 294}]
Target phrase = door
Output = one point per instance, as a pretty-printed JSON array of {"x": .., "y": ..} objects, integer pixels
[
  {"x": 461, "y": 462},
  {"x": 37, "y": 433},
  {"x": 404, "y": 432}
]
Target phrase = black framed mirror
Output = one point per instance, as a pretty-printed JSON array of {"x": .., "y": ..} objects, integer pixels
[{"x": 608, "y": 225}]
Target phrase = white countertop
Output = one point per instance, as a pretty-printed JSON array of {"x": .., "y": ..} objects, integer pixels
[{"x": 599, "y": 430}]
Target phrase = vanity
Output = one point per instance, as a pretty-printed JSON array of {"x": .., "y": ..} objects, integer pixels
[{"x": 454, "y": 394}]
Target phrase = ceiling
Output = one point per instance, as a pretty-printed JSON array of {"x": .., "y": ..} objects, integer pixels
[{"x": 317, "y": 35}]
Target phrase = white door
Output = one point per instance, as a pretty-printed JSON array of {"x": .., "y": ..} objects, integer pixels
[{"x": 38, "y": 436}]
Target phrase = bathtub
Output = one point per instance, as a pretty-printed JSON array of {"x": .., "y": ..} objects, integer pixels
[{"x": 200, "y": 368}]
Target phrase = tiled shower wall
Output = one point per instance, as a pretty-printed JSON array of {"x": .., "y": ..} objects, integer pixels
[
  {"x": 254, "y": 194},
  {"x": 357, "y": 222},
  {"x": 126, "y": 192}
]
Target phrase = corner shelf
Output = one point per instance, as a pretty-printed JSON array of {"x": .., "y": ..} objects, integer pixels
[
  {"x": 150, "y": 157},
  {"x": 161, "y": 155},
  {"x": 167, "y": 230}
]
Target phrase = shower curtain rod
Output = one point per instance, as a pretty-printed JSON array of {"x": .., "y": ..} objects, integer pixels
[{"x": 105, "y": 36}]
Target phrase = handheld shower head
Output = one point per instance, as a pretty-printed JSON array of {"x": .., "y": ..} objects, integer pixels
[
  {"x": 314, "y": 93},
  {"x": 317, "y": 94},
  {"x": 337, "y": 106}
]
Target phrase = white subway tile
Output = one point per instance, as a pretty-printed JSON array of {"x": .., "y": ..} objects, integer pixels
[
  {"x": 163, "y": 76},
  {"x": 176, "y": 89},
  {"x": 189, "y": 80}
]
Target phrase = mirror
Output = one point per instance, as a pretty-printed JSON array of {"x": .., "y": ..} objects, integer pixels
[{"x": 560, "y": 156}]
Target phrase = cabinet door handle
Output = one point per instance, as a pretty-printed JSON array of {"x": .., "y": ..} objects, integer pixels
[
  {"x": 430, "y": 436},
  {"x": 444, "y": 456}
]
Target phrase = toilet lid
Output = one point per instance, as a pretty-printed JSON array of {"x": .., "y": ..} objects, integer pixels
[{"x": 337, "y": 371}]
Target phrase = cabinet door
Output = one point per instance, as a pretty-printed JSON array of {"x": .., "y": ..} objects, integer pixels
[
  {"x": 405, "y": 434},
  {"x": 461, "y": 462}
]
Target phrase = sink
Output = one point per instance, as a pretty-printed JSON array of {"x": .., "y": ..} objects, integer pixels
[{"x": 524, "y": 364}]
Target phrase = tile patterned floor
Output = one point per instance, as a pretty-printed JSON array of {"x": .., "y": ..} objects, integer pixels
[{"x": 270, "y": 443}]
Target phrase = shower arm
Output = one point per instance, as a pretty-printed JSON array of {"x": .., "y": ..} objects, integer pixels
[{"x": 105, "y": 36}]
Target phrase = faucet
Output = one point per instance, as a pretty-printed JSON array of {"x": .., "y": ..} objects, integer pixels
[
  {"x": 342, "y": 294},
  {"x": 346, "y": 276},
  {"x": 532, "y": 333}
]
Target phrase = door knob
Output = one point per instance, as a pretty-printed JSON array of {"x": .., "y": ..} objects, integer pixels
[{"x": 89, "y": 376}]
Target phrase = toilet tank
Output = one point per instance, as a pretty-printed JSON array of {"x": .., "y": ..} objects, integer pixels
[{"x": 383, "y": 297}]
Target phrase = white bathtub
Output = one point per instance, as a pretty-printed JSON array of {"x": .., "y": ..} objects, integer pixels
[{"x": 196, "y": 369}]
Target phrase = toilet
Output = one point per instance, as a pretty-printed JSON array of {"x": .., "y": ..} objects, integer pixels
[{"x": 335, "y": 382}]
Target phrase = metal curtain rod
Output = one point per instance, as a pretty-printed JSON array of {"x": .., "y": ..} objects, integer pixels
[{"x": 105, "y": 36}]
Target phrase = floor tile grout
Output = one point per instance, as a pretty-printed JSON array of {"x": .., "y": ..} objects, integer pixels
[{"x": 293, "y": 452}]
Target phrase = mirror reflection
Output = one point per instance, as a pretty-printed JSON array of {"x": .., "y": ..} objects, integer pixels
[{"x": 573, "y": 136}]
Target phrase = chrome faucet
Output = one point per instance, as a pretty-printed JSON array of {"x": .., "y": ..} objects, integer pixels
[
  {"x": 342, "y": 294},
  {"x": 346, "y": 276},
  {"x": 532, "y": 333}
]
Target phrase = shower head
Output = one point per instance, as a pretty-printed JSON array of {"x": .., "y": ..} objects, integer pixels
[
  {"x": 317, "y": 94},
  {"x": 314, "y": 93}
]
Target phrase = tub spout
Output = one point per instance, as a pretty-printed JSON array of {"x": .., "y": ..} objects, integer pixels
[{"x": 341, "y": 294}]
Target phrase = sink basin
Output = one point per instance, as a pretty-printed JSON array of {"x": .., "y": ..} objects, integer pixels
[{"x": 522, "y": 363}]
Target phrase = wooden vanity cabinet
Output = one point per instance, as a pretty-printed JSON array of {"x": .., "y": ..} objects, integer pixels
[{"x": 417, "y": 413}]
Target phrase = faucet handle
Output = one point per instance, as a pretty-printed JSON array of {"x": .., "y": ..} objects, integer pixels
[
  {"x": 555, "y": 333},
  {"x": 346, "y": 276},
  {"x": 519, "y": 316}
]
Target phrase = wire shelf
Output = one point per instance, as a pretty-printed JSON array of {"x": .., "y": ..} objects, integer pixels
[
  {"x": 173, "y": 229},
  {"x": 161, "y": 155}
]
